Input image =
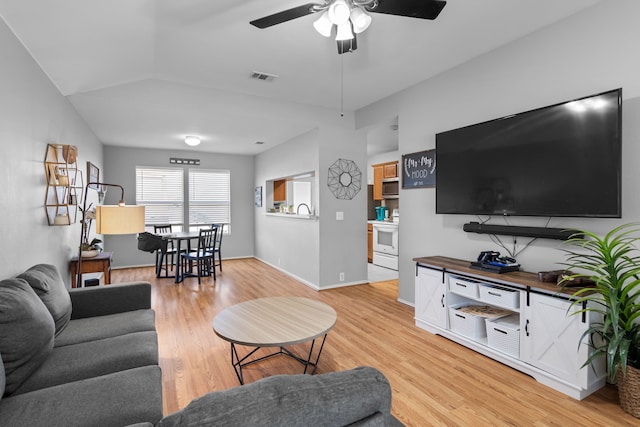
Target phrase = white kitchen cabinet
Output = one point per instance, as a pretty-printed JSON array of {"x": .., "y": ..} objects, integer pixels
[
  {"x": 548, "y": 337},
  {"x": 430, "y": 302}
]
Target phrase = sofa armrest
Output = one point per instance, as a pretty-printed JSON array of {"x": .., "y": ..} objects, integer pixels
[
  {"x": 110, "y": 299},
  {"x": 361, "y": 395}
]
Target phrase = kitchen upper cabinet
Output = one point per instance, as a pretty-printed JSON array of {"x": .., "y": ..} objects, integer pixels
[
  {"x": 391, "y": 170},
  {"x": 381, "y": 172},
  {"x": 378, "y": 174},
  {"x": 280, "y": 190}
]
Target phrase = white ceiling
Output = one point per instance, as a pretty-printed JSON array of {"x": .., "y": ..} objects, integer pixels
[{"x": 145, "y": 73}]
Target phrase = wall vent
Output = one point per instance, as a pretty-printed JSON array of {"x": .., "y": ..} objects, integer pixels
[{"x": 265, "y": 77}]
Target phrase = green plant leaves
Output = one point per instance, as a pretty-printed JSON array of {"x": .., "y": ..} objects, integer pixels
[{"x": 612, "y": 262}]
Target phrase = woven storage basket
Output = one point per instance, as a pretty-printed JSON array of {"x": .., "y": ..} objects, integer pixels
[{"x": 629, "y": 390}]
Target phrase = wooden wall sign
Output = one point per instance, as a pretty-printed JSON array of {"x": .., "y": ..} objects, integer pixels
[{"x": 419, "y": 169}]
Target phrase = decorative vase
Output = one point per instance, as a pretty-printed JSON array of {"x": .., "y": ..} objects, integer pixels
[
  {"x": 629, "y": 390},
  {"x": 90, "y": 254}
]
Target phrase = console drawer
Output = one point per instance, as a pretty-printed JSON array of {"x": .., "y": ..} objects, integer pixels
[
  {"x": 464, "y": 287},
  {"x": 496, "y": 295}
]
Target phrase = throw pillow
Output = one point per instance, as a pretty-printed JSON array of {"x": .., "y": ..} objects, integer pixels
[
  {"x": 48, "y": 284},
  {"x": 26, "y": 332}
]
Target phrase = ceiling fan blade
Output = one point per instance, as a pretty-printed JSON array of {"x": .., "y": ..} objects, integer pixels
[
  {"x": 346, "y": 46},
  {"x": 411, "y": 8},
  {"x": 284, "y": 16}
]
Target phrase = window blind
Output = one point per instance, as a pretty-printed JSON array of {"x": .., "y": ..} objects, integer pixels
[
  {"x": 209, "y": 196},
  {"x": 161, "y": 191}
]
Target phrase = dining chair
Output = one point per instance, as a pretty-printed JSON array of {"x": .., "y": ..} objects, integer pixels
[
  {"x": 203, "y": 257},
  {"x": 167, "y": 254},
  {"x": 218, "y": 246}
]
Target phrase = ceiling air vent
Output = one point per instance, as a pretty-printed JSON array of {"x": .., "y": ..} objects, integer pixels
[{"x": 265, "y": 77}]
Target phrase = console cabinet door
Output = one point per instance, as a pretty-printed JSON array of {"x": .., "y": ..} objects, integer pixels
[
  {"x": 551, "y": 336},
  {"x": 430, "y": 304}
]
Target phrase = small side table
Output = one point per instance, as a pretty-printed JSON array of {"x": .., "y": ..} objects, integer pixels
[{"x": 100, "y": 263}]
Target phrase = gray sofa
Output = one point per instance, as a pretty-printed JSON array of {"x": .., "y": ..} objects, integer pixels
[
  {"x": 89, "y": 357},
  {"x": 86, "y": 357}
]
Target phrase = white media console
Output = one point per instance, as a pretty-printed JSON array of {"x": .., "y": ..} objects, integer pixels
[{"x": 532, "y": 329}]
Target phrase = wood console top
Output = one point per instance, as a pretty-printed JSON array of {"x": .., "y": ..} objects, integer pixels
[{"x": 518, "y": 278}]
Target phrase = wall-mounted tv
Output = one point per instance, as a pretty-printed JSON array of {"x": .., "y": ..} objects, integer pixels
[{"x": 563, "y": 160}]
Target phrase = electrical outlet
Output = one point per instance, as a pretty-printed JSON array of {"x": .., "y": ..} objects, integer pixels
[
  {"x": 342, "y": 277},
  {"x": 340, "y": 216}
]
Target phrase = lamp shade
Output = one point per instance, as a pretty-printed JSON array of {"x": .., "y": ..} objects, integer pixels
[
  {"x": 339, "y": 12},
  {"x": 323, "y": 25},
  {"x": 344, "y": 32},
  {"x": 111, "y": 219},
  {"x": 360, "y": 20}
]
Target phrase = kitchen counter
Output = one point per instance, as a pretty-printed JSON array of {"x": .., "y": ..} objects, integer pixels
[
  {"x": 292, "y": 216},
  {"x": 382, "y": 222}
]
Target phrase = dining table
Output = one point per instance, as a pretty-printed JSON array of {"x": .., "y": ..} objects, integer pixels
[{"x": 178, "y": 237}]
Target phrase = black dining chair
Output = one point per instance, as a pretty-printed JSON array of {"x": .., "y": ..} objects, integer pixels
[
  {"x": 168, "y": 254},
  {"x": 203, "y": 257},
  {"x": 218, "y": 247}
]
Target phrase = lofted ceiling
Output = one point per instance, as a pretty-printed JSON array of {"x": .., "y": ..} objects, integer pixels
[{"x": 146, "y": 73}]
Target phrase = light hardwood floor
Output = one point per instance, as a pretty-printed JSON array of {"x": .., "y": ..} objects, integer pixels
[{"x": 434, "y": 381}]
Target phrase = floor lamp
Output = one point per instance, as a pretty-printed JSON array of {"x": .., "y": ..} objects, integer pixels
[{"x": 110, "y": 219}]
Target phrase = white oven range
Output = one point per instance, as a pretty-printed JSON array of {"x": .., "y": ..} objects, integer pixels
[{"x": 385, "y": 244}]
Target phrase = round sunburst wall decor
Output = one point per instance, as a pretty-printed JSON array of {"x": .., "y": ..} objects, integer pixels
[{"x": 344, "y": 179}]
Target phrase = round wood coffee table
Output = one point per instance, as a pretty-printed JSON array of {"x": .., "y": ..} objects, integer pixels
[{"x": 274, "y": 322}]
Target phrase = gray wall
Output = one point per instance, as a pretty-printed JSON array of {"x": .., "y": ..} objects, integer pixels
[
  {"x": 317, "y": 251},
  {"x": 121, "y": 166},
  {"x": 33, "y": 113},
  {"x": 289, "y": 244},
  {"x": 591, "y": 52}
]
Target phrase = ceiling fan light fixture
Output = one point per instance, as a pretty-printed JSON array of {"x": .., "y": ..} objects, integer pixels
[
  {"x": 323, "y": 25},
  {"x": 344, "y": 32},
  {"x": 192, "y": 141},
  {"x": 360, "y": 20},
  {"x": 339, "y": 12}
]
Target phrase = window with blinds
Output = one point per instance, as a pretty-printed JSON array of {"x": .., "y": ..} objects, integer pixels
[
  {"x": 209, "y": 197},
  {"x": 161, "y": 191}
]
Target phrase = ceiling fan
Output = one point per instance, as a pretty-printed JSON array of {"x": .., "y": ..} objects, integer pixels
[{"x": 350, "y": 16}]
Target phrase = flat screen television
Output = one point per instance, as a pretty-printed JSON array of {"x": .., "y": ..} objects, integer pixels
[{"x": 563, "y": 160}]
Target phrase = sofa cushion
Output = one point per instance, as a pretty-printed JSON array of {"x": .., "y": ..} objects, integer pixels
[
  {"x": 91, "y": 359},
  {"x": 336, "y": 399},
  {"x": 26, "y": 332},
  {"x": 48, "y": 284},
  {"x": 3, "y": 379},
  {"x": 117, "y": 399},
  {"x": 101, "y": 327}
]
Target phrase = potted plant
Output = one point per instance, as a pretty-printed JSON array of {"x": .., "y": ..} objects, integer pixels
[
  {"x": 91, "y": 249},
  {"x": 612, "y": 262}
]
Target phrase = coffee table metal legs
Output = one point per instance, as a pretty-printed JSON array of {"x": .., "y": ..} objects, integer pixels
[{"x": 239, "y": 363}]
